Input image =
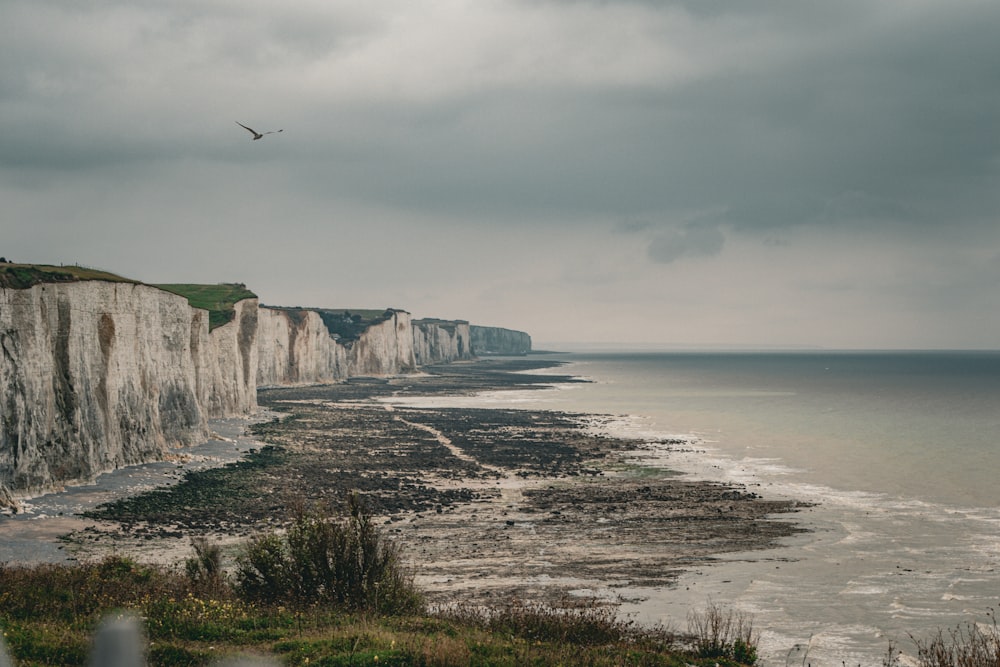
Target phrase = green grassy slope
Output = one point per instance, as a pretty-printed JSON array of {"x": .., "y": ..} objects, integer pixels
[{"x": 218, "y": 300}]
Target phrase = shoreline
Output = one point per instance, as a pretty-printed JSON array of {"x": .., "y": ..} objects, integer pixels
[
  {"x": 34, "y": 534},
  {"x": 486, "y": 503}
]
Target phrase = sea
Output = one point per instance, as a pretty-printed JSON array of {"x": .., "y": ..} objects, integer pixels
[{"x": 899, "y": 453}]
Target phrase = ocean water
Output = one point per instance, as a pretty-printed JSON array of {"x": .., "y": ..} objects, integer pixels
[{"x": 899, "y": 451}]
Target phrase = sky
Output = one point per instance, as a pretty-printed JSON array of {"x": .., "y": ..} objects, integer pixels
[{"x": 694, "y": 173}]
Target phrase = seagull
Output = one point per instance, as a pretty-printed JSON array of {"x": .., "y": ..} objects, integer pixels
[{"x": 256, "y": 135}]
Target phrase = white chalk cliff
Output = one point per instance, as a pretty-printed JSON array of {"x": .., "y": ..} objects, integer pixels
[
  {"x": 497, "y": 340},
  {"x": 295, "y": 347},
  {"x": 385, "y": 348},
  {"x": 96, "y": 375},
  {"x": 441, "y": 341}
]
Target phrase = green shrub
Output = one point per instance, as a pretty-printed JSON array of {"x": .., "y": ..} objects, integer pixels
[
  {"x": 345, "y": 564},
  {"x": 720, "y": 632},
  {"x": 45, "y": 645},
  {"x": 204, "y": 569}
]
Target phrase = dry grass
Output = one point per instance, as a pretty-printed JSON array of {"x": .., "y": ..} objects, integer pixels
[{"x": 969, "y": 645}]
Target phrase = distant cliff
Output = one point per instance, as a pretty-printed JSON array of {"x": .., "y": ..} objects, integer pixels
[
  {"x": 295, "y": 347},
  {"x": 95, "y": 375},
  {"x": 385, "y": 347},
  {"x": 495, "y": 340},
  {"x": 441, "y": 341},
  {"x": 312, "y": 345}
]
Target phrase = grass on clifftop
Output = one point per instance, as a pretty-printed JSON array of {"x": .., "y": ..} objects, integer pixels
[
  {"x": 218, "y": 300},
  {"x": 23, "y": 276}
]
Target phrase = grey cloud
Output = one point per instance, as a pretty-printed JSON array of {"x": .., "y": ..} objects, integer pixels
[
  {"x": 689, "y": 241},
  {"x": 857, "y": 205},
  {"x": 804, "y": 103},
  {"x": 633, "y": 226}
]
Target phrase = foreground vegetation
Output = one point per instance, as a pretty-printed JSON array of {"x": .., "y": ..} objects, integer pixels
[
  {"x": 969, "y": 645},
  {"x": 187, "y": 628},
  {"x": 332, "y": 591},
  {"x": 327, "y": 592}
]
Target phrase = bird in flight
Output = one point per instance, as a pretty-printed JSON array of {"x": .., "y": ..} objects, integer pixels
[{"x": 256, "y": 135}]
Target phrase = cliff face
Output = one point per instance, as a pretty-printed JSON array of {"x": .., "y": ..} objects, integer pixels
[
  {"x": 96, "y": 375},
  {"x": 441, "y": 341},
  {"x": 495, "y": 340},
  {"x": 384, "y": 348},
  {"x": 296, "y": 347},
  {"x": 74, "y": 379},
  {"x": 227, "y": 365}
]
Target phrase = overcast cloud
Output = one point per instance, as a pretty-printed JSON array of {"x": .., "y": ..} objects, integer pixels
[{"x": 771, "y": 173}]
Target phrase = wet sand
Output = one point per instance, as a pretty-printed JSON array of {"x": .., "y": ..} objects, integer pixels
[{"x": 486, "y": 503}]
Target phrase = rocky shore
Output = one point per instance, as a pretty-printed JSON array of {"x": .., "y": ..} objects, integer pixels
[{"x": 486, "y": 503}]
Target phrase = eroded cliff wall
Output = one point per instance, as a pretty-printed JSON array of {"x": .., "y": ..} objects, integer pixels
[
  {"x": 227, "y": 366},
  {"x": 97, "y": 375},
  {"x": 296, "y": 347},
  {"x": 91, "y": 373},
  {"x": 384, "y": 348},
  {"x": 497, "y": 340},
  {"x": 441, "y": 341}
]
